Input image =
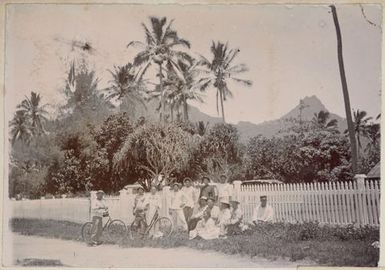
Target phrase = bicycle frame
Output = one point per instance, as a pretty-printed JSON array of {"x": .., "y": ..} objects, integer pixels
[{"x": 153, "y": 220}]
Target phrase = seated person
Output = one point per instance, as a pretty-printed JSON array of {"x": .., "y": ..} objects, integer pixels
[
  {"x": 205, "y": 228},
  {"x": 263, "y": 212},
  {"x": 224, "y": 217},
  {"x": 214, "y": 210},
  {"x": 236, "y": 225},
  {"x": 197, "y": 213}
]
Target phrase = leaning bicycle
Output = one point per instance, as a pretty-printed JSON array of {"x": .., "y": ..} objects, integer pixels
[
  {"x": 159, "y": 227},
  {"x": 116, "y": 230}
]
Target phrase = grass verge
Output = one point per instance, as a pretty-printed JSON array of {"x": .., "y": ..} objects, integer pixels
[{"x": 330, "y": 246}]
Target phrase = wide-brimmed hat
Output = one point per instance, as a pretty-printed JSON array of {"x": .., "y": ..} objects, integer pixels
[
  {"x": 187, "y": 179},
  {"x": 225, "y": 200},
  {"x": 140, "y": 187},
  {"x": 203, "y": 198},
  {"x": 175, "y": 184},
  {"x": 100, "y": 191},
  {"x": 234, "y": 201}
]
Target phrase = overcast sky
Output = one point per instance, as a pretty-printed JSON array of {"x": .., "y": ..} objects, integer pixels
[{"x": 290, "y": 50}]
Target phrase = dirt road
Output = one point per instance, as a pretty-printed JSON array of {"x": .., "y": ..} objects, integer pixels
[{"x": 77, "y": 254}]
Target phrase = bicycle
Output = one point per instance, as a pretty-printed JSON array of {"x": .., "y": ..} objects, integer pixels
[
  {"x": 116, "y": 229},
  {"x": 162, "y": 225}
]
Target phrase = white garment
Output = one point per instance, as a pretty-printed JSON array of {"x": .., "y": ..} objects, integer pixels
[
  {"x": 236, "y": 216},
  {"x": 178, "y": 219},
  {"x": 191, "y": 196},
  {"x": 98, "y": 207},
  {"x": 225, "y": 190},
  {"x": 205, "y": 229},
  {"x": 154, "y": 202},
  {"x": 178, "y": 200},
  {"x": 140, "y": 202},
  {"x": 224, "y": 220},
  {"x": 215, "y": 212},
  {"x": 263, "y": 214}
]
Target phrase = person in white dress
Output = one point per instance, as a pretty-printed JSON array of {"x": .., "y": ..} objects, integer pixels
[
  {"x": 225, "y": 189},
  {"x": 191, "y": 197},
  {"x": 205, "y": 229},
  {"x": 177, "y": 203},
  {"x": 139, "y": 209},
  {"x": 263, "y": 212}
]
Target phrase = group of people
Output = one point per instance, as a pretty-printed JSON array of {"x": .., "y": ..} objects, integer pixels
[{"x": 202, "y": 209}]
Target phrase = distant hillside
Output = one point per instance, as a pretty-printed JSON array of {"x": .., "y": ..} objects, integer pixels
[{"x": 311, "y": 105}]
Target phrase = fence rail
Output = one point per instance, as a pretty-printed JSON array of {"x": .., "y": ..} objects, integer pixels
[{"x": 356, "y": 202}]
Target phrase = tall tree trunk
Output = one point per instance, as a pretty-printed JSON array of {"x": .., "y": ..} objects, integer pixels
[
  {"x": 162, "y": 101},
  {"x": 222, "y": 107},
  {"x": 185, "y": 109},
  {"x": 345, "y": 92}
]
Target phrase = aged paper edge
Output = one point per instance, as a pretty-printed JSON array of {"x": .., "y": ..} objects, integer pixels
[{"x": 3, "y": 148}]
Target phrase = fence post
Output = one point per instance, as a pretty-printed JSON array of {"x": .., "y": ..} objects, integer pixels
[
  {"x": 362, "y": 205},
  {"x": 237, "y": 189}
]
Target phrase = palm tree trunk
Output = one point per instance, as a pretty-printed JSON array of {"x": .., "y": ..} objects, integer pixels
[
  {"x": 185, "y": 109},
  {"x": 162, "y": 101},
  {"x": 222, "y": 107},
  {"x": 345, "y": 92}
]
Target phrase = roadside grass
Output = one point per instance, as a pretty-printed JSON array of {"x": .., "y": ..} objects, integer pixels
[{"x": 324, "y": 245}]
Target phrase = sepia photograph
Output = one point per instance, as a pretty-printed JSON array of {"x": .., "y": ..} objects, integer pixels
[{"x": 192, "y": 136}]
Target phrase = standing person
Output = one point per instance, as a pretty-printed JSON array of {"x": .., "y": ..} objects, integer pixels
[
  {"x": 207, "y": 190},
  {"x": 154, "y": 204},
  {"x": 139, "y": 210},
  {"x": 224, "y": 217},
  {"x": 225, "y": 189},
  {"x": 214, "y": 210},
  {"x": 263, "y": 212},
  {"x": 191, "y": 197},
  {"x": 98, "y": 211},
  {"x": 176, "y": 207},
  {"x": 205, "y": 228},
  {"x": 197, "y": 213}
]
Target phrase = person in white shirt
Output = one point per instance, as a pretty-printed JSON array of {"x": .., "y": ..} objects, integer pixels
[
  {"x": 177, "y": 204},
  {"x": 205, "y": 229},
  {"x": 191, "y": 197},
  {"x": 154, "y": 204},
  {"x": 225, "y": 189},
  {"x": 214, "y": 210},
  {"x": 263, "y": 212},
  {"x": 98, "y": 211},
  {"x": 224, "y": 217},
  {"x": 139, "y": 209}
]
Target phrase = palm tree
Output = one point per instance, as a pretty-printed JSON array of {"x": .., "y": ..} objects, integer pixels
[
  {"x": 31, "y": 108},
  {"x": 372, "y": 133},
  {"x": 126, "y": 85},
  {"x": 321, "y": 121},
  {"x": 360, "y": 125},
  {"x": 183, "y": 87},
  {"x": 345, "y": 92},
  {"x": 160, "y": 47},
  {"x": 20, "y": 127},
  {"x": 220, "y": 70}
]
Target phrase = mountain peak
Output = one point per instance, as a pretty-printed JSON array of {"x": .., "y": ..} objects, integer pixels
[{"x": 309, "y": 106}]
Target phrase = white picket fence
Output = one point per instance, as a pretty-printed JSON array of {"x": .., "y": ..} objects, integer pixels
[
  {"x": 331, "y": 203},
  {"x": 356, "y": 202}
]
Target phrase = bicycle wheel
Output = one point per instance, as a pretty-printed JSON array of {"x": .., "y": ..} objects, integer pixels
[
  {"x": 163, "y": 227},
  {"x": 116, "y": 230},
  {"x": 87, "y": 232}
]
